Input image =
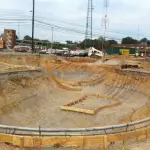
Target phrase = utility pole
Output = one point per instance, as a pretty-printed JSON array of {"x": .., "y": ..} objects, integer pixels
[
  {"x": 145, "y": 49},
  {"x": 138, "y": 32},
  {"x": 18, "y": 30},
  {"x": 52, "y": 38},
  {"x": 138, "y": 43},
  {"x": 33, "y": 15}
]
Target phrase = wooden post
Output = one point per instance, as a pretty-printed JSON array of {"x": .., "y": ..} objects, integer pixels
[
  {"x": 82, "y": 146},
  {"x": 146, "y": 134},
  {"x": 39, "y": 144},
  {"x": 39, "y": 140},
  {"x": 125, "y": 135},
  {"x": 105, "y": 142},
  {"x": 22, "y": 143},
  {"x": 137, "y": 138}
]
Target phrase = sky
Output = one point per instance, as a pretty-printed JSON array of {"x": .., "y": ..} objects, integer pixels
[{"x": 125, "y": 18}]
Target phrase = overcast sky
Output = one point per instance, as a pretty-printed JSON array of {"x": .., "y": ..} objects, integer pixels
[{"x": 124, "y": 16}]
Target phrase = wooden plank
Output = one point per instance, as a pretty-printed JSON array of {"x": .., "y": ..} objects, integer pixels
[
  {"x": 62, "y": 141},
  {"x": 6, "y": 138},
  {"x": 86, "y": 111},
  {"x": 74, "y": 141},
  {"x": 77, "y": 101},
  {"x": 69, "y": 106},
  {"x": 28, "y": 141},
  {"x": 107, "y": 106}
]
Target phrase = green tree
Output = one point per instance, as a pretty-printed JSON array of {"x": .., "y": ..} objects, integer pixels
[
  {"x": 69, "y": 42},
  {"x": 101, "y": 39},
  {"x": 129, "y": 40},
  {"x": 17, "y": 37},
  {"x": 144, "y": 40},
  {"x": 110, "y": 42},
  {"x": 27, "y": 37}
]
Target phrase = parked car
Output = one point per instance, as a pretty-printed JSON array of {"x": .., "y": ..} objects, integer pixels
[
  {"x": 22, "y": 48},
  {"x": 44, "y": 51},
  {"x": 51, "y": 51},
  {"x": 61, "y": 52}
]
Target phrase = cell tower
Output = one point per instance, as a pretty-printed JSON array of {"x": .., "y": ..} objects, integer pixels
[
  {"x": 89, "y": 22},
  {"x": 105, "y": 24}
]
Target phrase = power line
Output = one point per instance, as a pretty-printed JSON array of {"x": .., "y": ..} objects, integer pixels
[
  {"x": 74, "y": 24},
  {"x": 46, "y": 24},
  {"x": 48, "y": 27},
  {"x": 59, "y": 27}
]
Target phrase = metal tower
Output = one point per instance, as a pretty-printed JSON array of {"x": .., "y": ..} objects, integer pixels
[
  {"x": 105, "y": 21},
  {"x": 89, "y": 21},
  {"x": 105, "y": 24}
]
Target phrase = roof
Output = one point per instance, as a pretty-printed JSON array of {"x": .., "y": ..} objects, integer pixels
[{"x": 130, "y": 45}]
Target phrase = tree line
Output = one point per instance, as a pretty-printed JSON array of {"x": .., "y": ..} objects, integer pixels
[{"x": 96, "y": 43}]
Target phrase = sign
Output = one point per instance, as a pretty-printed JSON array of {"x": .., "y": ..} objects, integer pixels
[{"x": 124, "y": 51}]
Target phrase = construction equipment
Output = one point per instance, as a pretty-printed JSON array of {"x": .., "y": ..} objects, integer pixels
[{"x": 92, "y": 52}]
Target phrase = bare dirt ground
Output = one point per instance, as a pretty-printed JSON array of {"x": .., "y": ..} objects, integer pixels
[
  {"x": 4, "y": 67},
  {"x": 41, "y": 100},
  {"x": 34, "y": 101}
]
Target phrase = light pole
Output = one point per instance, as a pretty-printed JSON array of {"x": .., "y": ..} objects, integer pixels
[
  {"x": 33, "y": 13},
  {"x": 52, "y": 38},
  {"x": 145, "y": 48}
]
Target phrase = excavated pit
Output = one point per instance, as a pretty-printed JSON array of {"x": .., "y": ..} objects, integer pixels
[
  {"x": 34, "y": 99},
  {"x": 33, "y": 89}
]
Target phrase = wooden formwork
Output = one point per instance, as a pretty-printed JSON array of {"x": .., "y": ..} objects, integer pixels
[
  {"x": 83, "y": 82},
  {"x": 49, "y": 69},
  {"x": 73, "y": 141},
  {"x": 64, "y": 86},
  {"x": 70, "y": 106}
]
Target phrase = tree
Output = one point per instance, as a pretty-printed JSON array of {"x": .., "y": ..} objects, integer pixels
[
  {"x": 85, "y": 44},
  {"x": 36, "y": 39},
  {"x": 101, "y": 39},
  {"x": 110, "y": 42},
  {"x": 45, "y": 41},
  {"x": 27, "y": 37},
  {"x": 148, "y": 42},
  {"x": 69, "y": 42},
  {"x": 17, "y": 37},
  {"x": 129, "y": 40},
  {"x": 2, "y": 34},
  {"x": 144, "y": 40}
]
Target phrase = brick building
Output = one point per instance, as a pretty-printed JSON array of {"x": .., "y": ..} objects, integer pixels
[{"x": 9, "y": 38}]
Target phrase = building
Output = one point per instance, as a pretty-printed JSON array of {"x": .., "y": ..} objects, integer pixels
[
  {"x": 9, "y": 38},
  {"x": 1, "y": 44},
  {"x": 116, "y": 48},
  {"x": 142, "y": 49}
]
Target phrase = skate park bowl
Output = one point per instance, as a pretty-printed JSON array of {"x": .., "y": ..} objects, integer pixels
[{"x": 56, "y": 103}]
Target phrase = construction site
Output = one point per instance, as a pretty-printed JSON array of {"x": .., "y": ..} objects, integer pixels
[
  {"x": 78, "y": 103},
  {"x": 92, "y": 94}
]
